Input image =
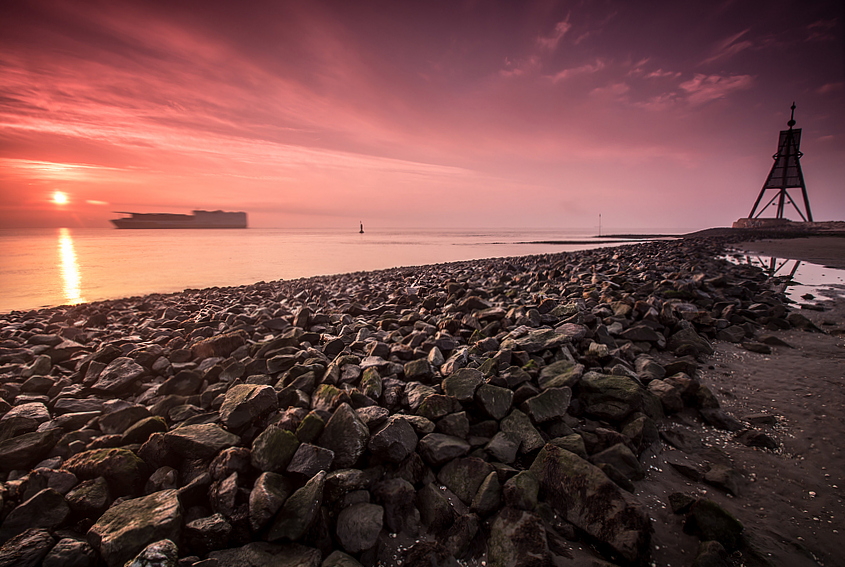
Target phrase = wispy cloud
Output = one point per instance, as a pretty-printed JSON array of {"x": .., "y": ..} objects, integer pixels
[
  {"x": 729, "y": 47},
  {"x": 586, "y": 69},
  {"x": 704, "y": 88},
  {"x": 549, "y": 42}
]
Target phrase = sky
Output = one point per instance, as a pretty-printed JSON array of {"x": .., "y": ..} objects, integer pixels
[{"x": 458, "y": 114}]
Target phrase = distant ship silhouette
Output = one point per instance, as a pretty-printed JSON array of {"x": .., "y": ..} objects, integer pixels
[{"x": 362, "y": 229}]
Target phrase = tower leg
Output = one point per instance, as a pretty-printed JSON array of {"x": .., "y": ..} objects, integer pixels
[{"x": 757, "y": 202}]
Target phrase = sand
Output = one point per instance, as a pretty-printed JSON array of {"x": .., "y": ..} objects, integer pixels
[{"x": 825, "y": 250}]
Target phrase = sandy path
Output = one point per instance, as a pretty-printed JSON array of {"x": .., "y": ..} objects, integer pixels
[{"x": 825, "y": 250}]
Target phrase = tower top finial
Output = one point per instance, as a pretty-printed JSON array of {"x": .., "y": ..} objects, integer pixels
[{"x": 791, "y": 122}]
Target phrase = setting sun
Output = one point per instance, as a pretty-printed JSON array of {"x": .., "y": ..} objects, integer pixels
[{"x": 59, "y": 198}]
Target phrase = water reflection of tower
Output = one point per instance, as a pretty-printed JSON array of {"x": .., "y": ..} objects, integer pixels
[{"x": 70, "y": 268}]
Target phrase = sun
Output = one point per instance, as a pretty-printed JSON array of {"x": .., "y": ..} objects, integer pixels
[{"x": 60, "y": 198}]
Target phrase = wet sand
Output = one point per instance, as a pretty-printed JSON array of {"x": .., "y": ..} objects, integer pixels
[{"x": 825, "y": 250}]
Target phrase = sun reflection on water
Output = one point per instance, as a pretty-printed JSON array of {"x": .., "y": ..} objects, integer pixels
[{"x": 70, "y": 268}]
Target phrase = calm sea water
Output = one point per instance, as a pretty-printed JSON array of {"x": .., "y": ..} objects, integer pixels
[{"x": 48, "y": 267}]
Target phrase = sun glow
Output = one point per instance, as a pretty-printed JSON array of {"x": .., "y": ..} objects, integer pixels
[
  {"x": 60, "y": 198},
  {"x": 70, "y": 268}
]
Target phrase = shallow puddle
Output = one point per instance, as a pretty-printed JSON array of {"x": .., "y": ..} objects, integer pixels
[{"x": 806, "y": 283}]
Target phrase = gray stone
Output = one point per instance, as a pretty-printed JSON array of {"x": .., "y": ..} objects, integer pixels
[
  {"x": 585, "y": 497},
  {"x": 668, "y": 396},
  {"x": 71, "y": 552},
  {"x": 463, "y": 476},
  {"x": 521, "y": 491},
  {"x": 551, "y": 404},
  {"x": 503, "y": 447},
  {"x": 687, "y": 341},
  {"x": 262, "y": 554},
  {"x": 419, "y": 370},
  {"x": 25, "y": 450},
  {"x": 26, "y": 549},
  {"x": 462, "y": 384},
  {"x": 396, "y": 496},
  {"x": 610, "y": 397},
  {"x": 300, "y": 511},
  {"x": 559, "y": 374},
  {"x": 518, "y": 425},
  {"x": 46, "y": 509},
  {"x": 536, "y": 341},
  {"x": 494, "y": 400},
  {"x": 712, "y": 554},
  {"x": 273, "y": 449},
  {"x": 202, "y": 441},
  {"x": 358, "y": 526},
  {"x": 269, "y": 493},
  {"x": 437, "y": 448},
  {"x": 90, "y": 498},
  {"x": 338, "y": 558},
  {"x": 124, "y": 471},
  {"x": 346, "y": 435},
  {"x": 310, "y": 459},
  {"x": 206, "y": 534},
  {"x": 488, "y": 498},
  {"x": 163, "y": 553},
  {"x": 622, "y": 459},
  {"x": 517, "y": 539},
  {"x": 395, "y": 440},
  {"x": 712, "y": 522},
  {"x": 244, "y": 403},
  {"x": 128, "y": 527},
  {"x": 119, "y": 376}
]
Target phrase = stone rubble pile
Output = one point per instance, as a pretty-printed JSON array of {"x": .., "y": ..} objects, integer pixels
[{"x": 490, "y": 409}]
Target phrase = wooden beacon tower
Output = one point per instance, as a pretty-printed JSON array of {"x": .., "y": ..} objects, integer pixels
[{"x": 785, "y": 174}]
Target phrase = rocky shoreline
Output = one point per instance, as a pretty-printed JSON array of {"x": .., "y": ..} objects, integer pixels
[{"x": 493, "y": 412}]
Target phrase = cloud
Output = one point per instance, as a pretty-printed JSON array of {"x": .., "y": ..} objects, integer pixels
[
  {"x": 831, "y": 88},
  {"x": 661, "y": 74},
  {"x": 729, "y": 47},
  {"x": 704, "y": 88},
  {"x": 550, "y": 42},
  {"x": 586, "y": 69}
]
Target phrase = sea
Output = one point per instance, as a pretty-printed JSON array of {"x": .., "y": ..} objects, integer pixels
[{"x": 65, "y": 266}]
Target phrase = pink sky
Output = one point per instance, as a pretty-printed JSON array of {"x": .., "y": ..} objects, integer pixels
[{"x": 447, "y": 114}]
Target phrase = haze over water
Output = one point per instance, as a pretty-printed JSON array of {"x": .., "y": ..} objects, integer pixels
[{"x": 49, "y": 267}]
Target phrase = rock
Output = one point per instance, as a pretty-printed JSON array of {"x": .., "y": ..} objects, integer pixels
[
  {"x": 338, "y": 558},
  {"x": 244, "y": 403},
  {"x": 726, "y": 478},
  {"x": 687, "y": 341},
  {"x": 310, "y": 459},
  {"x": 71, "y": 552},
  {"x": 46, "y": 509},
  {"x": 269, "y": 493},
  {"x": 118, "y": 421},
  {"x": 358, "y": 526},
  {"x": 437, "y": 448},
  {"x": 346, "y": 435},
  {"x": 300, "y": 511},
  {"x": 436, "y": 512},
  {"x": 519, "y": 426},
  {"x": 712, "y": 522},
  {"x": 712, "y": 554},
  {"x": 494, "y": 401},
  {"x": 559, "y": 374},
  {"x": 720, "y": 419},
  {"x": 518, "y": 539},
  {"x": 261, "y": 554},
  {"x": 756, "y": 438},
  {"x": 521, "y": 491},
  {"x": 536, "y": 341},
  {"x": 488, "y": 498},
  {"x": 503, "y": 447},
  {"x": 622, "y": 459},
  {"x": 26, "y": 549},
  {"x": 206, "y": 534},
  {"x": 429, "y": 554},
  {"x": 610, "y": 397},
  {"x": 123, "y": 470},
  {"x": 119, "y": 377},
  {"x": 462, "y": 384},
  {"x": 141, "y": 431},
  {"x": 221, "y": 345},
  {"x": 162, "y": 553},
  {"x": 668, "y": 396},
  {"x": 202, "y": 441},
  {"x": 394, "y": 441},
  {"x": 419, "y": 370},
  {"x": 25, "y": 450},
  {"x": 90, "y": 498},
  {"x": 573, "y": 443},
  {"x": 273, "y": 449},
  {"x": 585, "y": 497},
  {"x": 463, "y": 476},
  {"x": 551, "y": 404},
  {"x": 126, "y": 528},
  {"x": 396, "y": 496}
]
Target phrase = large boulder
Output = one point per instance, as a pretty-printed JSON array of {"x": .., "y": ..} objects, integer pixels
[
  {"x": 585, "y": 497},
  {"x": 518, "y": 539},
  {"x": 611, "y": 397},
  {"x": 395, "y": 440},
  {"x": 245, "y": 403},
  {"x": 300, "y": 511},
  {"x": 124, "y": 471},
  {"x": 202, "y": 441},
  {"x": 25, "y": 450},
  {"x": 128, "y": 527},
  {"x": 26, "y": 549},
  {"x": 358, "y": 526},
  {"x": 262, "y": 554},
  {"x": 346, "y": 435},
  {"x": 119, "y": 376},
  {"x": 221, "y": 345}
]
